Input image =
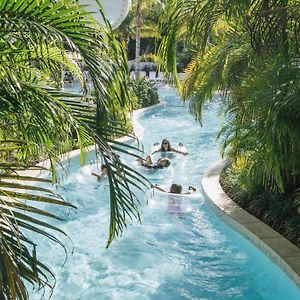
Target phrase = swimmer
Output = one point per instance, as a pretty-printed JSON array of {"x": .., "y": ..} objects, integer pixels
[
  {"x": 175, "y": 189},
  {"x": 166, "y": 146},
  {"x": 174, "y": 204},
  {"x": 104, "y": 172},
  {"x": 160, "y": 163}
]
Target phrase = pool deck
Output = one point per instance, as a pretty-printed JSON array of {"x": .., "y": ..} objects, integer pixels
[{"x": 274, "y": 245}]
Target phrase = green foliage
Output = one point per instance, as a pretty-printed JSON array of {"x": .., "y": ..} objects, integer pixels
[
  {"x": 38, "y": 39},
  {"x": 150, "y": 12},
  {"x": 280, "y": 211},
  {"x": 264, "y": 127},
  {"x": 145, "y": 92},
  {"x": 250, "y": 51}
]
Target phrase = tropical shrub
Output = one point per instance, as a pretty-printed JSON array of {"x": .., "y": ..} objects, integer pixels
[
  {"x": 281, "y": 211},
  {"x": 145, "y": 92},
  {"x": 250, "y": 51}
]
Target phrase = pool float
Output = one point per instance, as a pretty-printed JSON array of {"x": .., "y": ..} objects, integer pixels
[
  {"x": 187, "y": 191},
  {"x": 174, "y": 204}
]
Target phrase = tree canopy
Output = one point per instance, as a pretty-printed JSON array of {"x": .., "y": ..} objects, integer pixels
[{"x": 248, "y": 50}]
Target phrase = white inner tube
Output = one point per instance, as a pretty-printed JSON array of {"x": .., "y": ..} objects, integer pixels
[
  {"x": 174, "y": 204},
  {"x": 185, "y": 190},
  {"x": 169, "y": 154}
]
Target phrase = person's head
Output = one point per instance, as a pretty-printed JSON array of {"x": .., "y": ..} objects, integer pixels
[
  {"x": 175, "y": 188},
  {"x": 104, "y": 168},
  {"x": 164, "y": 162},
  {"x": 165, "y": 145}
]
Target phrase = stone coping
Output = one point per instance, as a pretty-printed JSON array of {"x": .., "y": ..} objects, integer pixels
[{"x": 274, "y": 245}]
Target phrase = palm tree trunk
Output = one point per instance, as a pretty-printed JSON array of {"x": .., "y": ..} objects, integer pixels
[
  {"x": 285, "y": 37},
  {"x": 138, "y": 22},
  {"x": 62, "y": 83}
]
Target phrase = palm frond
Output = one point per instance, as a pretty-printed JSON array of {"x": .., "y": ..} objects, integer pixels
[
  {"x": 18, "y": 252},
  {"x": 39, "y": 39}
]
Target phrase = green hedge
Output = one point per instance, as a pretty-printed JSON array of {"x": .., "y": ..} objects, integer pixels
[{"x": 281, "y": 211}]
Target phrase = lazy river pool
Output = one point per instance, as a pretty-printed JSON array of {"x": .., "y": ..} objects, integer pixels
[{"x": 192, "y": 255}]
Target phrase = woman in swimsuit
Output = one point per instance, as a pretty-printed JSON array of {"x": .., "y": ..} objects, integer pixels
[{"x": 166, "y": 146}]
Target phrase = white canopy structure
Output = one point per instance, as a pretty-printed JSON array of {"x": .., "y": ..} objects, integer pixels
[{"x": 115, "y": 10}]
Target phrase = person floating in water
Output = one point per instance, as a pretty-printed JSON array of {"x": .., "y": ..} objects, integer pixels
[
  {"x": 104, "y": 172},
  {"x": 166, "y": 146},
  {"x": 159, "y": 164},
  {"x": 175, "y": 189},
  {"x": 174, "y": 205}
]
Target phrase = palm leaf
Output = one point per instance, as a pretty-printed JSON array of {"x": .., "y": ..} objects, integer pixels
[{"x": 37, "y": 36}]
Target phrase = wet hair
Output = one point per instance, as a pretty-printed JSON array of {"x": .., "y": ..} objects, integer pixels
[
  {"x": 175, "y": 188},
  {"x": 165, "y": 162},
  {"x": 103, "y": 166},
  {"x": 164, "y": 141}
]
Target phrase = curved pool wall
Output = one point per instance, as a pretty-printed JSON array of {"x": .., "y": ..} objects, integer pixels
[
  {"x": 277, "y": 247},
  {"x": 192, "y": 255}
]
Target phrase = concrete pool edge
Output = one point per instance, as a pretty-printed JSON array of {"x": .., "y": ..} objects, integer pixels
[{"x": 280, "y": 250}]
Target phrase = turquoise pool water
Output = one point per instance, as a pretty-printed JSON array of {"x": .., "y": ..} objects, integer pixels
[{"x": 192, "y": 255}]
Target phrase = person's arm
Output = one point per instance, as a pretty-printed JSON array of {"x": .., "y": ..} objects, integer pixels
[
  {"x": 99, "y": 177},
  {"x": 158, "y": 188},
  {"x": 155, "y": 151},
  {"x": 178, "y": 151},
  {"x": 149, "y": 160},
  {"x": 141, "y": 160},
  {"x": 190, "y": 191}
]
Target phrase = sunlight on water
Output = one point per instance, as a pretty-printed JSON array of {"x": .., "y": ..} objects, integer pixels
[{"x": 181, "y": 250}]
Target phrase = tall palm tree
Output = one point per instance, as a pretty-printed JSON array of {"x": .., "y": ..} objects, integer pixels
[
  {"x": 250, "y": 50},
  {"x": 37, "y": 39},
  {"x": 141, "y": 8},
  {"x": 138, "y": 24}
]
